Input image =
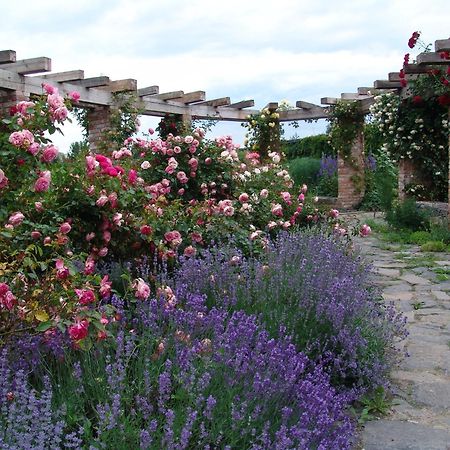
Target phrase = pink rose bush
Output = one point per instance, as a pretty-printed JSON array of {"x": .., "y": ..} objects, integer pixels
[{"x": 146, "y": 197}]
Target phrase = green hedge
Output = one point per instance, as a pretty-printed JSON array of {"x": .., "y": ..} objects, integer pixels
[{"x": 310, "y": 146}]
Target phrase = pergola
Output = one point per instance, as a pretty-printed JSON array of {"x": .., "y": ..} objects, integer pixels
[{"x": 20, "y": 79}]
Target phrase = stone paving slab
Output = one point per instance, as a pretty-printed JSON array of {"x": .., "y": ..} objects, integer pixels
[{"x": 402, "y": 435}]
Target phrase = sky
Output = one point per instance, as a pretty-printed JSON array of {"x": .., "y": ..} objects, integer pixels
[{"x": 264, "y": 50}]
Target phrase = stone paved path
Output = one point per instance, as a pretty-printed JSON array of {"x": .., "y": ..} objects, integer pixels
[{"x": 419, "y": 284}]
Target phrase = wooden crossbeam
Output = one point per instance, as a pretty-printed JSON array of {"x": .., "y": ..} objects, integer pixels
[
  {"x": 272, "y": 106},
  {"x": 169, "y": 95},
  {"x": 365, "y": 103},
  {"x": 149, "y": 90},
  {"x": 93, "y": 82},
  {"x": 306, "y": 105},
  {"x": 414, "y": 68},
  {"x": 7, "y": 56},
  {"x": 29, "y": 66},
  {"x": 125, "y": 85},
  {"x": 431, "y": 58},
  {"x": 223, "y": 101},
  {"x": 242, "y": 104},
  {"x": 386, "y": 84},
  {"x": 328, "y": 101},
  {"x": 72, "y": 75},
  {"x": 365, "y": 90},
  {"x": 303, "y": 114},
  {"x": 192, "y": 97},
  {"x": 395, "y": 76},
  {"x": 354, "y": 96},
  {"x": 442, "y": 45},
  {"x": 33, "y": 85}
]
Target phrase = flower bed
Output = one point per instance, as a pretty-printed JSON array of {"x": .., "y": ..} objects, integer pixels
[{"x": 131, "y": 319}]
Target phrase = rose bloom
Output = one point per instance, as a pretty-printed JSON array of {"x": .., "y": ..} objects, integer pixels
[
  {"x": 36, "y": 234},
  {"x": 334, "y": 213},
  {"x": 79, "y": 330},
  {"x": 85, "y": 296},
  {"x": 189, "y": 251},
  {"x": 43, "y": 182},
  {"x": 365, "y": 230},
  {"x": 286, "y": 196},
  {"x": 277, "y": 209},
  {"x": 145, "y": 165},
  {"x": 74, "y": 96},
  {"x": 105, "y": 288},
  {"x": 49, "y": 154},
  {"x": 146, "y": 230},
  {"x": 243, "y": 198},
  {"x": 142, "y": 289},
  {"x": 65, "y": 228},
  {"x": 16, "y": 219},
  {"x": 62, "y": 272},
  {"x": 264, "y": 193}
]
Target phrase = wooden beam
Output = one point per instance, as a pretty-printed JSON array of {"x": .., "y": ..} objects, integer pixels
[
  {"x": 169, "y": 95},
  {"x": 33, "y": 85},
  {"x": 328, "y": 101},
  {"x": 93, "y": 82},
  {"x": 414, "y": 68},
  {"x": 7, "y": 56},
  {"x": 192, "y": 97},
  {"x": 366, "y": 103},
  {"x": 125, "y": 85},
  {"x": 223, "y": 101},
  {"x": 272, "y": 106},
  {"x": 431, "y": 58},
  {"x": 29, "y": 66},
  {"x": 303, "y": 114},
  {"x": 149, "y": 90},
  {"x": 242, "y": 104},
  {"x": 354, "y": 96},
  {"x": 395, "y": 76},
  {"x": 386, "y": 84},
  {"x": 306, "y": 105},
  {"x": 365, "y": 90},
  {"x": 442, "y": 45},
  {"x": 72, "y": 75}
]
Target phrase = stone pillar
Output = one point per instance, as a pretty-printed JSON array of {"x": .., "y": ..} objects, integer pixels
[
  {"x": 406, "y": 171},
  {"x": 99, "y": 121},
  {"x": 351, "y": 184}
]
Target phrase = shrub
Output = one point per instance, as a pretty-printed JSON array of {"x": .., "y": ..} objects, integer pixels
[
  {"x": 310, "y": 146},
  {"x": 304, "y": 170},
  {"x": 434, "y": 246},
  {"x": 408, "y": 215}
]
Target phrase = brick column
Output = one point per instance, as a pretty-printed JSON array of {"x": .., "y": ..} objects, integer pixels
[
  {"x": 448, "y": 115},
  {"x": 99, "y": 121},
  {"x": 9, "y": 99},
  {"x": 406, "y": 171},
  {"x": 351, "y": 185}
]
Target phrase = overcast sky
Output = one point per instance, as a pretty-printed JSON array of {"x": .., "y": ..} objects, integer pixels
[{"x": 266, "y": 50}]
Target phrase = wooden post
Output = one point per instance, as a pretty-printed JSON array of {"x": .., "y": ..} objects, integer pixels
[{"x": 351, "y": 183}]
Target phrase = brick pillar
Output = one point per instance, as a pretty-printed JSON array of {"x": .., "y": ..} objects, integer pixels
[
  {"x": 406, "y": 171},
  {"x": 448, "y": 172},
  {"x": 99, "y": 121},
  {"x": 9, "y": 99},
  {"x": 351, "y": 186}
]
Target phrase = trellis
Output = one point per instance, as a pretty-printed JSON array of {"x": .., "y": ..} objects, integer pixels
[{"x": 20, "y": 79}]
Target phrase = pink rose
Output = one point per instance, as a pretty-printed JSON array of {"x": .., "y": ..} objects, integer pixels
[
  {"x": 65, "y": 228},
  {"x": 105, "y": 287},
  {"x": 146, "y": 230},
  {"x": 49, "y": 89},
  {"x": 286, "y": 196},
  {"x": 277, "y": 210},
  {"x": 102, "y": 201},
  {"x": 74, "y": 96},
  {"x": 264, "y": 193},
  {"x": 142, "y": 289},
  {"x": 38, "y": 206},
  {"x": 16, "y": 219},
  {"x": 334, "y": 213},
  {"x": 182, "y": 177},
  {"x": 43, "y": 182},
  {"x": 89, "y": 266},
  {"x": 49, "y": 154},
  {"x": 36, "y": 234},
  {"x": 189, "y": 251},
  {"x": 365, "y": 230},
  {"x": 62, "y": 272},
  {"x": 85, "y": 296},
  {"x": 243, "y": 198},
  {"x": 103, "y": 252},
  {"x": 79, "y": 330}
]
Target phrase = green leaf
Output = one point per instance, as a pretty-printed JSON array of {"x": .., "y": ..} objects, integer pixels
[{"x": 44, "y": 326}]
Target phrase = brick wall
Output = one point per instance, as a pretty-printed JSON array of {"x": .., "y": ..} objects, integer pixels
[{"x": 98, "y": 122}]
